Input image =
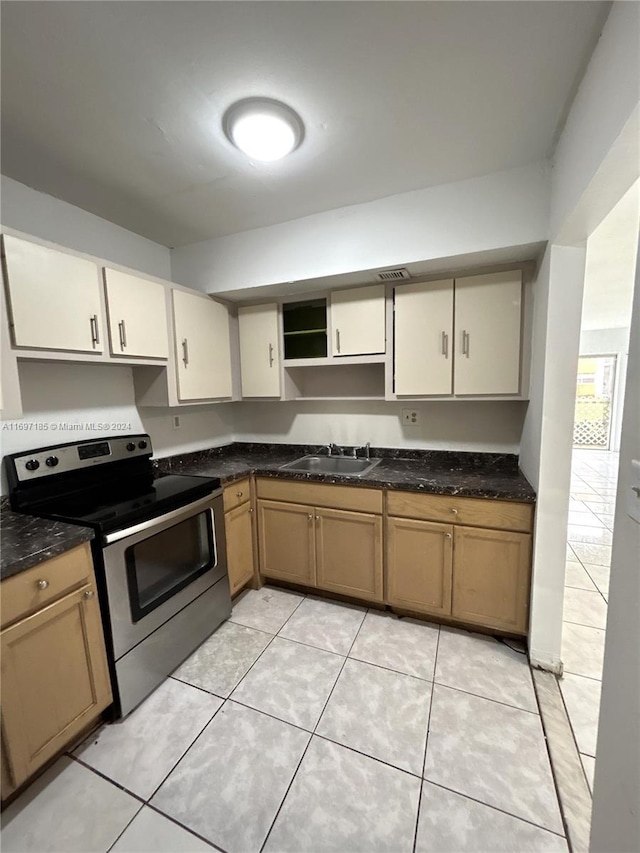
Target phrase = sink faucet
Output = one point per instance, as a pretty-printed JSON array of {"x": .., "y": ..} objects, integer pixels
[
  {"x": 334, "y": 450},
  {"x": 367, "y": 451}
]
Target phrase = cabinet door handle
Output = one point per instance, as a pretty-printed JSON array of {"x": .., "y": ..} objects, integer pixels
[
  {"x": 123, "y": 334},
  {"x": 185, "y": 352},
  {"x": 465, "y": 343},
  {"x": 445, "y": 345},
  {"x": 447, "y": 536},
  {"x": 317, "y": 518},
  {"x": 239, "y": 494},
  {"x": 89, "y": 593},
  {"x": 454, "y": 510},
  {"x": 338, "y": 339},
  {"x": 250, "y": 510},
  {"x": 42, "y": 584},
  {"x": 95, "y": 338},
  {"x": 270, "y": 355},
  {"x": 310, "y": 517}
]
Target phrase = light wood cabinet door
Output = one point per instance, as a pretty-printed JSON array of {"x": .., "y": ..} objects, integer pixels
[
  {"x": 239, "y": 531},
  {"x": 423, "y": 339},
  {"x": 349, "y": 553},
  {"x": 491, "y": 578},
  {"x": 488, "y": 311},
  {"x": 358, "y": 321},
  {"x": 287, "y": 541},
  {"x": 137, "y": 315},
  {"x": 203, "y": 354},
  {"x": 54, "y": 679},
  {"x": 259, "y": 350},
  {"x": 419, "y": 565},
  {"x": 54, "y": 298}
]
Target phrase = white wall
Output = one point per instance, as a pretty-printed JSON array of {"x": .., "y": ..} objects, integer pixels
[
  {"x": 491, "y": 426},
  {"x": 547, "y": 440},
  {"x": 44, "y": 216},
  {"x": 606, "y": 99},
  {"x": 70, "y": 402},
  {"x": 615, "y": 825},
  {"x": 492, "y": 212}
]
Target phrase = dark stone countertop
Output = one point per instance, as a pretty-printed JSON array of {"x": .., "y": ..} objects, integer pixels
[
  {"x": 484, "y": 475},
  {"x": 27, "y": 541}
]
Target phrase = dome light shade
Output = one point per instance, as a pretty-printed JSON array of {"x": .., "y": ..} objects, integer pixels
[{"x": 263, "y": 129}]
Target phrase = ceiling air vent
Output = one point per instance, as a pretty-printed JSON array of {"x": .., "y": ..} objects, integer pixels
[{"x": 393, "y": 275}]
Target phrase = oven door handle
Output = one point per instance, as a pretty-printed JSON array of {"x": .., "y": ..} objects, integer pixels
[{"x": 183, "y": 512}]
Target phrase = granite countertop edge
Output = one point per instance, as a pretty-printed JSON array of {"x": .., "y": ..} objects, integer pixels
[{"x": 28, "y": 541}]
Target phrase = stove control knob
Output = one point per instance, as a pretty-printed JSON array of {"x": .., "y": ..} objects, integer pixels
[
  {"x": 142, "y": 444},
  {"x": 131, "y": 445},
  {"x": 32, "y": 465},
  {"x": 51, "y": 461}
]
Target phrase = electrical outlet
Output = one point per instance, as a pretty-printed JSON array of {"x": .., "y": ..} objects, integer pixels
[
  {"x": 410, "y": 417},
  {"x": 176, "y": 421}
]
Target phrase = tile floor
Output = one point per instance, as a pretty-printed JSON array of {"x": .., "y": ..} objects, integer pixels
[
  {"x": 307, "y": 725},
  {"x": 589, "y": 535}
]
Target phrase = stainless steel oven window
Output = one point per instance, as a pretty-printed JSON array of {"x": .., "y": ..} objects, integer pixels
[{"x": 161, "y": 565}]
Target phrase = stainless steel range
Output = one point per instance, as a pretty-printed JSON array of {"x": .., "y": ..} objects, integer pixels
[{"x": 159, "y": 549}]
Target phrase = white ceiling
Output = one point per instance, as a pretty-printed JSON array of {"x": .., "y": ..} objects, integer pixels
[
  {"x": 116, "y": 106},
  {"x": 611, "y": 264}
]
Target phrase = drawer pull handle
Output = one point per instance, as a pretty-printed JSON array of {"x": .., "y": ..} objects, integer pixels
[
  {"x": 89, "y": 593},
  {"x": 454, "y": 511},
  {"x": 42, "y": 584},
  {"x": 239, "y": 494}
]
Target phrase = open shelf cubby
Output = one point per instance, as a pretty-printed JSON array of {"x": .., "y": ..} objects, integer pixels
[
  {"x": 336, "y": 382},
  {"x": 305, "y": 329}
]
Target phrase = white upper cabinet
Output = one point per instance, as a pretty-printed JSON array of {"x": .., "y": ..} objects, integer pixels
[
  {"x": 488, "y": 311},
  {"x": 259, "y": 350},
  {"x": 137, "y": 315},
  {"x": 358, "y": 321},
  {"x": 54, "y": 298},
  {"x": 203, "y": 354},
  {"x": 423, "y": 335}
]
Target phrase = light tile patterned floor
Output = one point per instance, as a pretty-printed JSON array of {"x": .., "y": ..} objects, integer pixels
[
  {"x": 306, "y": 725},
  {"x": 594, "y": 477}
]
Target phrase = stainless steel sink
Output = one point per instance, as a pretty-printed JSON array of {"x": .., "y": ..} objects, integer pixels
[{"x": 332, "y": 465}]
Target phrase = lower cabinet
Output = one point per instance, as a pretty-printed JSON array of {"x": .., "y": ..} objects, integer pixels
[
  {"x": 239, "y": 531},
  {"x": 467, "y": 560},
  {"x": 419, "y": 561},
  {"x": 491, "y": 578},
  {"x": 327, "y": 547},
  {"x": 55, "y": 680}
]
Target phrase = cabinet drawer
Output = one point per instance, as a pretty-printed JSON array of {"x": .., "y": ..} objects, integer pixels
[
  {"x": 21, "y": 594},
  {"x": 321, "y": 494},
  {"x": 476, "y": 512},
  {"x": 236, "y": 493}
]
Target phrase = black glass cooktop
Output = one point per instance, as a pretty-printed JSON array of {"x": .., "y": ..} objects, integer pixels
[{"x": 118, "y": 505}]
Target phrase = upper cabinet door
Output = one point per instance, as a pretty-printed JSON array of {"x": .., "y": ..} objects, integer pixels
[
  {"x": 54, "y": 297},
  {"x": 203, "y": 354},
  {"x": 137, "y": 315},
  {"x": 488, "y": 321},
  {"x": 358, "y": 321},
  {"x": 259, "y": 350},
  {"x": 423, "y": 335}
]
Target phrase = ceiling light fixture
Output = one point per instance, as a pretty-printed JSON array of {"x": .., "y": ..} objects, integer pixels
[{"x": 265, "y": 130}]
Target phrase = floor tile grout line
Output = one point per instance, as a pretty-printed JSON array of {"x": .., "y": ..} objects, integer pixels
[
  {"x": 552, "y": 768},
  {"x": 496, "y": 808},
  {"x": 102, "y": 775},
  {"x": 573, "y": 733},
  {"x": 426, "y": 739},
  {"x": 584, "y": 624},
  {"x": 582, "y": 675},
  {"x": 312, "y": 734},
  {"x": 594, "y": 583},
  {"x": 193, "y": 742},
  {"x": 488, "y": 698},
  {"x": 124, "y": 829},
  {"x": 184, "y": 826}
]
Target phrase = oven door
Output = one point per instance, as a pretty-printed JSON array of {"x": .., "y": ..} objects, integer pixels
[{"x": 155, "y": 568}]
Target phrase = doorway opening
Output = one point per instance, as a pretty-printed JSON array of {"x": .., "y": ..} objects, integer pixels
[{"x": 595, "y": 389}]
